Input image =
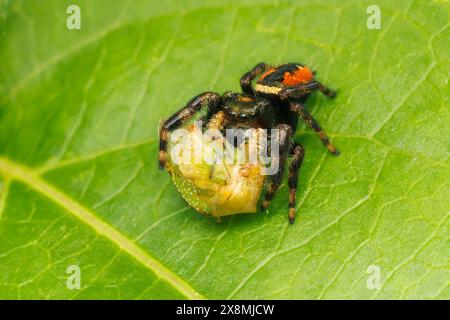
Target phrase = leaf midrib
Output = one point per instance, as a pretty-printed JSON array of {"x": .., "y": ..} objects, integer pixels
[{"x": 14, "y": 171}]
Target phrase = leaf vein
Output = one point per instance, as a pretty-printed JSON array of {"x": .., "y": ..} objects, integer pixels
[{"x": 27, "y": 176}]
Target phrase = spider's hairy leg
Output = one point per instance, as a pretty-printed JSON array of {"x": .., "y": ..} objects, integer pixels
[
  {"x": 247, "y": 78},
  {"x": 326, "y": 91},
  {"x": 285, "y": 133},
  {"x": 300, "y": 90},
  {"x": 217, "y": 121},
  {"x": 208, "y": 99},
  {"x": 298, "y": 153},
  {"x": 299, "y": 108}
]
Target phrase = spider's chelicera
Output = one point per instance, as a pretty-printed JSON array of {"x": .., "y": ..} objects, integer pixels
[{"x": 276, "y": 101}]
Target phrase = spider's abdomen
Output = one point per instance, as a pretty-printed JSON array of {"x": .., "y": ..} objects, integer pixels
[
  {"x": 301, "y": 75},
  {"x": 286, "y": 75},
  {"x": 275, "y": 79}
]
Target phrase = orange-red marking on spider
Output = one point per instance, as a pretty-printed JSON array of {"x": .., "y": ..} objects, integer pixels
[
  {"x": 246, "y": 99},
  {"x": 265, "y": 74},
  {"x": 301, "y": 75}
]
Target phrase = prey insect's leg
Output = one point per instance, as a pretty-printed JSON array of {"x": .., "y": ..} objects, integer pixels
[
  {"x": 209, "y": 99},
  {"x": 299, "y": 108},
  {"x": 298, "y": 91},
  {"x": 247, "y": 78},
  {"x": 297, "y": 152},
  {"x": 285, "y": 132}
]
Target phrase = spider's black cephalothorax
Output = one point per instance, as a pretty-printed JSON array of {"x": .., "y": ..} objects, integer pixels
[{"x": 276, "y": 101}]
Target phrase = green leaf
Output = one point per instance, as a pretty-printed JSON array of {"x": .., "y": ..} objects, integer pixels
[{"x": 79, "y": 184}]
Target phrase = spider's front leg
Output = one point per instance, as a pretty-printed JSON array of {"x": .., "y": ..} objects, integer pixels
[
  {"x": 284, "y": 138},
  {"x": 209, "y": 99},
  {"x": 299, "y": 108},
  {"x": 298, "y": 91},
  {"x": 247, "y": 78}
]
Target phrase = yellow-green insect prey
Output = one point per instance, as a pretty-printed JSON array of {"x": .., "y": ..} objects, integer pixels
[{"x": 216, "y": 189}]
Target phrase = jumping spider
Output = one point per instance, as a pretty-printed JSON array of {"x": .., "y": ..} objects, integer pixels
[{"x": 276, "y": 101}]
